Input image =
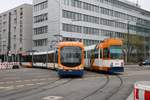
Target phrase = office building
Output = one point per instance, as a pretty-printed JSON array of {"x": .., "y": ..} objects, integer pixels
[
  {"x": 16, "y": 30},
  {"x": 87, "y": 20}
]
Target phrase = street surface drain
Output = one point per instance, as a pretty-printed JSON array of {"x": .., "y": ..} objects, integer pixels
[{"x": 52, "y": 98}]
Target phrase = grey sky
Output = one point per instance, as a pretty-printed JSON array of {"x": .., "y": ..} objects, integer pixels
[
  {"x": 144, "y": 4},
  {"x": 8, "y": 4}
]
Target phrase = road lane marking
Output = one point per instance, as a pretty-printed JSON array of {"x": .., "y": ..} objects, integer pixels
[
  {"x": 9, "y": 82},
  {"x": 2, "y": 87},
  {"x": 1, "y": 82},
  {"x": 40, "y": 83},
  {"x": 27, "y": 80},
  {"x": 42, "y": 79},
  {"x": 19, "y": 86},
  {"x": 52, "y": 98},
  {"x": 18, "y": 81},
  {"x": 35, "y": 79},
  {"x": 29, "y": 84},
  {"x": 7, "y": 88}
]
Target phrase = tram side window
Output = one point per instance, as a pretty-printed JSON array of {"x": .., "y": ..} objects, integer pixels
[
  {"x": 100, "y": 53},
  {"x": 51, "y": 58},
  {"x": 105, "y": 53},
  {"x": 87, "y": 54},
  {"x": 56, "y": 57},
  {"x": 39, "y": 58},
  {"x": 84, "y": 54}
]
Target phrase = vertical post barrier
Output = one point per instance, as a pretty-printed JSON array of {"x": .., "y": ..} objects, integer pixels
[{"x": 142, "y": 90}]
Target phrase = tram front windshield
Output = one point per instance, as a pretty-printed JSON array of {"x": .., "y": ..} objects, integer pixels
[
  {"x": 116, "y": 52},
  {"x": 71, "y": 56}
]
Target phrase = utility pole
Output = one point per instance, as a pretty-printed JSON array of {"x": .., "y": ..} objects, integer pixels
[
  {"x": 9, "y": 36},
  {"x": 128, "y": 47}
]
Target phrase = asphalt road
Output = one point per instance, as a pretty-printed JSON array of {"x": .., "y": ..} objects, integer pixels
[{"x": 44, "y": 84}]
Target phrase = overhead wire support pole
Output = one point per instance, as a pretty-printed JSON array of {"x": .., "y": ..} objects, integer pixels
[
  {"x": 9, "y": 36},
  {"x": 128, "y": 28}
]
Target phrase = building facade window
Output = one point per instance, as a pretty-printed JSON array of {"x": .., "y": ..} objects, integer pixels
[
  {"x": 41, "y": 6},
  {"x": 40, "y": 42},
  {"x": 91, "y": 19},
  {"x": 88, "y": 42},
  {"x": 41, "y": 30},
  {"x": 41, "y": 18},
  {"x": 76, "y": 3},
  {"x": 67, "y": 2},
  {"x": 0, "y": 19},
  {"x": 4, "y": 16},
  {"x": 72, "y": 15},
  {"x": 92, "y": 31},
  {"x": 106, "y": 11},
  {"x": 72, "y": 28},
  {"x": 21, "y": 13}
]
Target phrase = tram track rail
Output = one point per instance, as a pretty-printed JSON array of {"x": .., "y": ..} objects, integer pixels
[
  {"x": 35, "y": 90},
  {"x": 116, "y": 90},
  {"x": 97, "y": 90},
  {"x": 101, "y": 88}
]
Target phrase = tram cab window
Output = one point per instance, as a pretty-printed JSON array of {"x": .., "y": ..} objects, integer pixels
[
  {"x": 96, "y": 53},
  {"x": 106, "y": 53}
]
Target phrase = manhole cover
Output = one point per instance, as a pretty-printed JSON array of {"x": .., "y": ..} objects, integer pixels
[{"x": 52, "y": 98}]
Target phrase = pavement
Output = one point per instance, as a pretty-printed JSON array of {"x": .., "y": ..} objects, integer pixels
[
  {"x": 35, "y": 84},
  {"x": 131, "y": 96}
]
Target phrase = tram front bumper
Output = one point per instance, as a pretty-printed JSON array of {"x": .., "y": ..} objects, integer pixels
[
  {"x": 116, "y": 69},
  {"x": 62, "y": 72}
]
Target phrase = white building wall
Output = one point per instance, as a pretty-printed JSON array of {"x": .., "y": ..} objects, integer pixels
[
  {"x": 55, "y": 20},
  {"x": 27, "y": 28}
]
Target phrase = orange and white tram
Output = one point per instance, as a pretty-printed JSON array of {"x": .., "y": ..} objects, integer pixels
[
  {"x": 68, "y": 59},
  {"x": 105, "y": 56},
  {"x": 71, "y": 58}
]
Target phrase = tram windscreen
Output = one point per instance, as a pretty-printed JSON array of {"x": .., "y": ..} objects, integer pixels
[
  {"x": 116, "y": 52},
  {"x": 71, "y": 56}
]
